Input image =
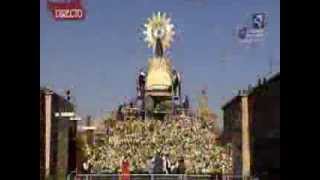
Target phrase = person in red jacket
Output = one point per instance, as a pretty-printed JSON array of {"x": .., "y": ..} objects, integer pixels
[{"x": 125, "y": 169}]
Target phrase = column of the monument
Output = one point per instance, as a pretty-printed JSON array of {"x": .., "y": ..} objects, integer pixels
[
  {"x": 48, "y": 116},
  {"x": 245, "y": 137}
]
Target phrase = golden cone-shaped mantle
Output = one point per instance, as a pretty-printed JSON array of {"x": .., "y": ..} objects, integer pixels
[{"x": 159, "y": 74}]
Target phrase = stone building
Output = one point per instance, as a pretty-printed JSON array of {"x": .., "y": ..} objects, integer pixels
[
  {"x": 252, "y": 126},
  {"x": 57, "y": 136},
  {"x": 232, "y": 133}
]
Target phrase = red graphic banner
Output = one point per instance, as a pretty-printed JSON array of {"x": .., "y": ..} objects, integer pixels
[{"x": 72, "y": 10}]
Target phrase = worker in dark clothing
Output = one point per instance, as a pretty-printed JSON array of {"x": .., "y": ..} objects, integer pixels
[
  {"x": 186, "y": 104},
  {"x": 181, "y": 166},
  {"x": 158, "y": 164},
  {"x": 119, "y": 112},
  {"x": 176, "y": 83}
]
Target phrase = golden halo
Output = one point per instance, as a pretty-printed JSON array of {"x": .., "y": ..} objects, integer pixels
[{"x": 159, "y": 26}]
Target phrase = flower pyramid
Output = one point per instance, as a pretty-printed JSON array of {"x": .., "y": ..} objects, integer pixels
[{"x": 194, "y": 140}]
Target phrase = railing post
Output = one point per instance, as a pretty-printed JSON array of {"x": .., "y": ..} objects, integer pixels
[{"x": 70, "y": 174}]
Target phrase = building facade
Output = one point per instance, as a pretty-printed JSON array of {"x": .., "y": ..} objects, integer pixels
[
  {"x": 252, "y": 126},
  {"x": 57, "y": 136},
  {"x": 265, "y": 127},
  {"x": 232, "y": 132}
]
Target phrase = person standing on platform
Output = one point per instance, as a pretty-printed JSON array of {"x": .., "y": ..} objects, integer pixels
[
  {"x": 158, "y": 164},
  {"x": 181, "y": 166},
  {"x": 151, "y": 167},
  {"x": 176, "y": 83},
  {"x": 141, "y": 81},
  {"x": 186, "y": 105},
  {"x": 166, "y": 164}
]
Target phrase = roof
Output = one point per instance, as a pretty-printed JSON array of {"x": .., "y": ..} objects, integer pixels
[
  {"x": 56, "y": 96},
  {"x": 45, "y": 90},
  {"x": 233, "y": 99},
  {"x": 274, "y": 77}
]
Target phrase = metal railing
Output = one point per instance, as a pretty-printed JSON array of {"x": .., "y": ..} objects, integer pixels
[{"x": 154, "y": 177}]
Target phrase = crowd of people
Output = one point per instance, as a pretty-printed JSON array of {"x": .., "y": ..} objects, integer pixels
[{"x": 177, "y": 146}]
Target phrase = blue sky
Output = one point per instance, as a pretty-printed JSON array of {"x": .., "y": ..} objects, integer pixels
[{"x": 98, "y": 58}]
